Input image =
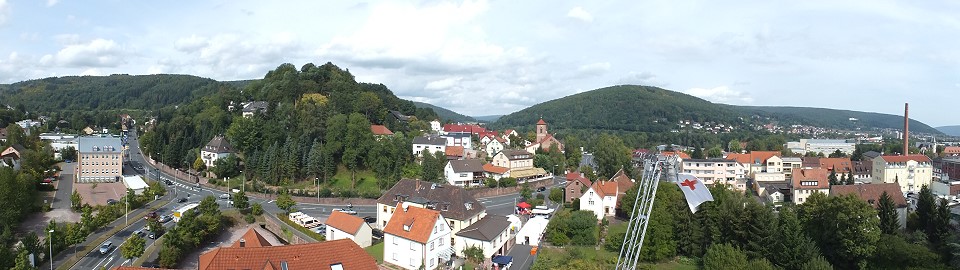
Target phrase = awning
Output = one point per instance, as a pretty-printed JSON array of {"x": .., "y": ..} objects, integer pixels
[
  {"x": 524, "y": 205},
  {"x": 446, "y": 253},
  {"x": 502, "y": 260},
  {"x": 524, "y": 173}
]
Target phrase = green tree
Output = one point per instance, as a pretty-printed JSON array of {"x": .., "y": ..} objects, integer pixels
[
  {"x": 833, "y": 178},
  {"x": 760, "y": 264},
  {"x": 240, "y": 200},
  {"x": 715, "y": 152},
  {"x": 611, "y": 155},
  {"x": 838, "y": 154},
  {"x": 556, "y": 195},
  {"x": 849, "y": 179},
  {"x": 357, "y": 143},
  {"x": 68, "y": 153},
  {"x": 724, "y": 257},
  {"x": 889, "y": 220},
  {"x": 818, "y": 263},
  {"x": 256, "y": 209},
  {"x": 842, "y": 180},
  {"x": 133, "y": 247},
  {"x": 734, "y": 146},
  {"x": 244, "y": 134},
  {"x": 792, "y": 247},
  {"x": 526, "y": 192},
  {"x": 571, "y": 149},
  {"x": 226, "y": 167},
  {"x": 285, "y": 202},
  {"x": 926, "y": 208},
  {"x": 22, "y": 261},
  {"x": 893, "y": 252},
  {"x": 697, "y": 153},
  {"x": 474, "y": 254},
  {"x": 75, "y": 200},
  {"x": 155, "y": 227},
  {"x": 198, "y": 164},
  {"x": 844, "y": 227}
]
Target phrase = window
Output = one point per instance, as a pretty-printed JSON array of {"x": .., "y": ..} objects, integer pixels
[
  {"x": 440, "y": 242},
  {"x": 395, "y": 242},
  {"x": 384, "y": 208},
  {"x": 590, "y": 202},
  {"x": 413, "y": 246},
  {"x": 431, "y": 246},
  {"x": 463, "y": 175},
  {"x": 413, "y": 262}
]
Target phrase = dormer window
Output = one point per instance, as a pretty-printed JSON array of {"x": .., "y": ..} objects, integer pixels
[
  {"x": 445, "y": 207},
  {"x": 406, "y": 227}
]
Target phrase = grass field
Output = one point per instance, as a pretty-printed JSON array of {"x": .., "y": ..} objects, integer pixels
[
  {"x": 376, "y": 251},
  {"x": 605, "y": 259},
  {"x": 366, "y": 181}
]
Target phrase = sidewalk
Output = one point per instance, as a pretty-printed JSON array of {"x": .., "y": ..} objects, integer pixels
[{"x": 93, "y": 239}]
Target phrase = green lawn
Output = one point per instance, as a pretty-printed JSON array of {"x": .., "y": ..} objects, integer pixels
[
  {"x": 376, "y": 251},
  {"x": 603, "y": 258},
  {"x": 366, "y": 181}
]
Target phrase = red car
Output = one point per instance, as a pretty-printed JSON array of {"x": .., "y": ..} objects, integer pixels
[{"x": 151, "y": 215}]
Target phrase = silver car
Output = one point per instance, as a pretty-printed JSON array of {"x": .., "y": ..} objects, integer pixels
[{"x": 106, "y": 247}]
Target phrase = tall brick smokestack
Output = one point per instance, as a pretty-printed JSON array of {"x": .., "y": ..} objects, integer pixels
[{"x": 906, "y": 128}]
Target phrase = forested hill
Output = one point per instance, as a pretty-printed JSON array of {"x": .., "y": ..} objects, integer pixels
[
  {"x": 445, "y": 114},
  {"x": 92, "y": 93},
  {"x": 950, "y": 130},
  {"x": 622, "y": 107},
  {"x": 832, "y": 118}
]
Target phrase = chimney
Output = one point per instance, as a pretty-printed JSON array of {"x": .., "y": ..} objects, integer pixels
[
  {"x": 243, "y": 243},
  {"x": 906, "y": 128}
]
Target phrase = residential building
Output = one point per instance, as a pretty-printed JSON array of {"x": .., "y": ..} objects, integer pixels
[
  {"x": 544, "y": 140},
  {"x": 869, "y": 156},
  {"x": 3, "y": 135},
  {"x": 600, "y": 198},
  {"x": 11, "y": 156},
  {"x": 761, "y": 166},
  {"x": 100, "y": 159},
  {"x": 862, "y": 172},
  {"x": 494, "y": 146},
  {"x": 399, "y": 116},
  {"x": 809, "y": 181},
  {"x": 950, "y": 166},
  {"x": 464, "y": 173},
  {"x": 791, "y": 164},
  {"x": 464, "y": 140},
  {"x": 253, "y": 108},
  {"x": 714, "y": 170},
  {"x": 623, "y": 181},
  {"x": 513, "y": 159},
  {"x": 951, "y": 151},
  {"x": 826, "y": 147},
  {"x": 341, "y": 225},
  {"x": 257, "y": 253},
  {"x": 464, "y": 128},
  {"x": 576, "y": 184},
  {"x": 495, "y": 172},
  {"x": 60, "y": 145},
  {"x": 491, "y": 234},
  {"x": 380, "y": 131},
  {"x": 838, "y": 165},
  {"x": 871, "y": 193},
  {"x": 949, "y": 189},
  {"x": 910, "y": 171},
  {"x": 217, "y": 148},
  {"x": 435, "y": 127},
  {"x": 417, "y": 237},
  {"x": 458, "y": 206},
  {"x": 455, "y": 152},
  {"x": 428, "y": 144},
  {"x": 776, "y": 193}
]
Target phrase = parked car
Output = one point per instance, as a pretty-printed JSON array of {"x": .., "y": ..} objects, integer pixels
[
  {"x": 154, "y": 235},
  {"x": 182, "y": 200},
  {"x": 151, "y": 215},
  {"x": 165, "y": 218},
  {"x": 369, "y": 219},
  {"x": 139, "y": 232},
  {"x": 346, "y": 211},
  {"x": 168, "y": 182},
  {"x": 541, "y": 189},
  {"x": 111, "y": 201},
  {"x": 225, "y": 196},
  {"x": 106, "y": 247}
]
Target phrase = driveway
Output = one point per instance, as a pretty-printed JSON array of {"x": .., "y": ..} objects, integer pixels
[
  {"x": 522, "y": 259},
  {"x": 64, "y": 187}
]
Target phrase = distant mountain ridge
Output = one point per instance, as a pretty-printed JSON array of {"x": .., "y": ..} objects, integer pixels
[
  {"x": 445, "y": 114},
  {"x": 950, "y": 130},
  {"x": 488, "y": 118},
  {"x": 653, "y": 109}
]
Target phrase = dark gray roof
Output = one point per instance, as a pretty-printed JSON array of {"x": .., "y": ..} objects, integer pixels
[
  {"x": 467, "y": 165},
  {"x": 486, "y": 229},
  {"x": 256, "y": 106},
  {"x": 452, "y": 198},
  {"x": 513, "y": 154},
  {"x": 871, "y": 154},
  {"x": 218, "y": 145},
  {"x": 93, "y": 144},
  {"x": 431, "y": 140},
  {"x": 399, "y": 116}
]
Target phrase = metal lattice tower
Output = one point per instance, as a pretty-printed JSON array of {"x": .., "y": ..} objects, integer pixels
[{"x": 654, "y": 169}]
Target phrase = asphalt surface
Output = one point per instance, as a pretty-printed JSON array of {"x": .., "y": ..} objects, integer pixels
[
  {"x": 61, "y": 199},
  {"x": 521, "y": 257},
  {"x": 506, "y": 204}
]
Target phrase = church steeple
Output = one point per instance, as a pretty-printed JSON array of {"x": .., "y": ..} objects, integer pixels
[{"x": 541, "y": 130}]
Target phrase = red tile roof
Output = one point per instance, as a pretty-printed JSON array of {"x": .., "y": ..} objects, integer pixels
[
  {"x": 576, "y": 176},
  {"x": 345, "y": 222},
  {"x": 320, "y": 255},
  {"x": 811, "y": 174},
  {"x": 951, "y": 150},
  {"x": 135, "y": 268},
  {"x": 456, "y": 151},
  {"x": 753, "y": 156},
  {"x": 677, "y": 153},
  {"x": 623, "y": 181},
  {"x": 252, "y": 239},
  {"x": 380, "y": 130},
  {"x": 605, "y": 188},
  {"x": 412, "y": 223},
  {"x": 839, "y": 165},
  {"x": 541, "y": 122},
  {"x": 474, "y": 129},
  {"x": 901, "y": 159},
  {"x": 494, "y": 169},
  {"x": 871, "y": 193}
]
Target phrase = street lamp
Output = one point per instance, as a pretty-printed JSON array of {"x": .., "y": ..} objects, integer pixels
[
  {"x": 51, "y": 249},
  {"x": 318, "y": 189}
]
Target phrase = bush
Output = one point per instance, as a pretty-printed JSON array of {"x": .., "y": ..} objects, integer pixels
[
  {"x": 490, "y": 183},
  {"x": 249, "y": 218},
  {"x": 559, "y": 239},
  {"x": 508, "y": 182},
  {"x": 347, "y": 193},
  {"x": 326, "y": 193}
]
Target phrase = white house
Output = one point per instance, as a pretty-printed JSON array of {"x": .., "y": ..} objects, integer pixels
[
  {"x": 345, "y": 226},
  {"x": 217, "y": 148},
  {"x": 11, "y": 156},
  {"x": 492, "y": 234},
  {"x": 494, "y": 146},
  {"x": 458, "y": 206},
  {"x": 532, "y": 232},
  {"x": 435, "y": 127},
  {"x": 910, "y": 171},
  {"x": 600, "y": 198},
  {"x": 809, "y": 181},
  {"x": 459, "y": 139},
  {"x": 253, "y": 108},
  {"x": 416, "y": 237},
  {"x": 464, "y": 173},
  {"x": 429, "y": 144}
]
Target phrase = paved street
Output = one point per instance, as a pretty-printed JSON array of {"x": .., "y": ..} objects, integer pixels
[
  {"x": 521, "y": 257},
  {"x": 64, "y": 186}
]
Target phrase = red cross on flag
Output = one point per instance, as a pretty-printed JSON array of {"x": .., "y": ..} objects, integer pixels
[{"x": 694, "y": 190}]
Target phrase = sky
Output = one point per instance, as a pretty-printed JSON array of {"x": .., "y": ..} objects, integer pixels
[{"x": 496, "y": 57}]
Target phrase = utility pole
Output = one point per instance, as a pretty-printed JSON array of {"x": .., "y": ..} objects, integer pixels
[{"x": 51, "y": 249}]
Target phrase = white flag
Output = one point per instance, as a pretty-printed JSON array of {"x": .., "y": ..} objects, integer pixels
[{"x": 694, "y": 189}]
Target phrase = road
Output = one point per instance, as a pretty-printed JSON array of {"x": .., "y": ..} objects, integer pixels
[
  {"x": 506, "y": 204},
  {"x": 61, "y": 199}
]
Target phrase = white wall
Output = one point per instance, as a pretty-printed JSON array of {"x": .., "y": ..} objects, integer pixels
[
  {"x": 418, "y": 149},
  {"x": 364, "y": 237},
  {"x": 800, "y": 195},
  {"x": 385, "y": 212},
  {"x": 410, "y": 255},
  {"x": 489, "y": 248},
  {"x": 597, "y": 207},
  {"x": 456, "y": 179}
]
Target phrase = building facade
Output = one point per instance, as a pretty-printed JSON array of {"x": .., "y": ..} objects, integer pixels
[
  {"x": 601, "y": 199},
  {"x": 714, "y": 170},
  {"x": 513, "y": 159},
  {"x": 809, "y": 181},
  {"x": 910, "y": 171},
  {"x": 429, "y": 144},
  {"x": 464, "y": 173},
  {"x": 416, "y": 237},
  {"x": 100, "y": 159},
  {"x": 217, "y": 148}
]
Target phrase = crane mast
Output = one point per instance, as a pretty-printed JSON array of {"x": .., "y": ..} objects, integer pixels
[{"x": 654, "y": 169}]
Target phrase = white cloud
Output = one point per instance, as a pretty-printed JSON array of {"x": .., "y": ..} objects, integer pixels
[
  {"x": 641, "y": 78},
  {"x": 4, "y": 11},
  {"x": 190, "y": 44},
  {"x": 720, "y": 94},
  {"x": 580, "y": 14},
  {"x": 91, "y": 72},
  {"x": 51, "y": 3},
  {"x": 594, "y": 69},
  {"x": 442, "y": 84},
  {"x": 96, "y": 53}
]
